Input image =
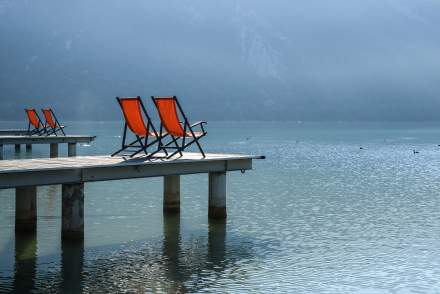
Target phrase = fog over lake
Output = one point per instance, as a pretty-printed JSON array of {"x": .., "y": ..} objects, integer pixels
[{"x": 227, "y": 60}]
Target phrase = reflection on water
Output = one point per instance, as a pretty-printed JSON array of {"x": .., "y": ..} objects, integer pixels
[
  {"x": 320, "y": 215},
  {"x": 72, "y": 260},
  {"x": 70, "y": 277},
  {"x": 139, "y": 267},
  {"x": 181, "y": 270},
  {"x": 25, "y": 262},
  {"x": 216, "y": 243},
  {"x": 172, "y": 264},
  {"x": 171, "y": 253}
]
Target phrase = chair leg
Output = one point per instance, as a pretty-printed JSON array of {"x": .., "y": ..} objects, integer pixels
[
  {"x": 182, "y": 148},
  {"x": 179, "y": 149},
  {"x": 42, "y": 132},
  {"x": 165, "y": 151},
  {"x": 49, "y": 132},
  {"x": 160, "y": 146},
  {"x": 200, "y": 147},
  {"x": 116, "y": 152},
  {"x": 142, "y": 148},
  {"x": 125, "y": 146},
  {"x": 153, "y": 153},
  {"x": 195, "y": 140},
  {"x": 174, "y": 153},
  {"x": 56, "y": 130}
]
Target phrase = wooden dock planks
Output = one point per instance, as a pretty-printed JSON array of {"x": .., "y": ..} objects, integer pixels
[
  {"x": 53, "y": 141},
  {"x": 13, "y": 132},
  {"x": 48, "y": 171},
  {"x": 72, "y": 172},
  {"x": 11, "y": 140}
]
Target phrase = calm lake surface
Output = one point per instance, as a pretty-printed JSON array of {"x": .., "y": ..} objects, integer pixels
[{"x": 319, "y": 215}]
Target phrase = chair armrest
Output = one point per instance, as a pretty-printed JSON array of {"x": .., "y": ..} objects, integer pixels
[{"x": 199, "y": 123}]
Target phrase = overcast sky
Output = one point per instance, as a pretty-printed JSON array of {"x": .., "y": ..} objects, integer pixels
[{"x": 280, "y": 59}]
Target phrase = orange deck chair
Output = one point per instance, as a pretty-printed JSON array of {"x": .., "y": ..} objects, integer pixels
[
  {"x": 35, "y": 126},
  {"x": 169, "y": 109},
  {"x": 52, "y": 124},
  {"x": 132, "y": 109}
]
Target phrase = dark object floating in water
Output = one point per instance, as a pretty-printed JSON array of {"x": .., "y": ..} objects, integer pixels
[
  {"x": 361, "y": 148},
  {"x": 415, "y": 152}
]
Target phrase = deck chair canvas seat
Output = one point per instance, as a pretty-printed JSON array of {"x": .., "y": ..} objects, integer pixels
[
  {"x": 52, "y": 125},
  {"x": 197, "y": 134},
  {"x": 134, "y": 111},
  {"x": 35, "y": 126},
  {"x": 182, "y": 133}
]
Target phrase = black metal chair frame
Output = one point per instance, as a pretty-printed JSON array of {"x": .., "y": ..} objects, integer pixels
[
  {"x": 186, "y": 127},
  {"x": 140, "y": 143},
  {"x": 35, "y": 131},
  {"x": 58, "y": 126}
]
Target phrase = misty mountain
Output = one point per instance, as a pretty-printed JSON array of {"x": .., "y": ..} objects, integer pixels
[{"x": 272, "y": 60}]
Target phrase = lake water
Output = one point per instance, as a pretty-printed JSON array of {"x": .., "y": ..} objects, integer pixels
[{"x": 319, "y": 215}]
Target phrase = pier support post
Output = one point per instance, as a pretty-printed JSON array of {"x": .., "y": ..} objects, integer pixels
[
  {"x": 28, "y": 147},
  {"x": 171, "y": 194},
  {"x": 72, "y": 217},
  {"x": 26, "y": 209},
  {"x": 17, "y": 147},
  {"x": 217, "y": 195},
  {"x": 1, "y": 152},
  {"x": 71, "y": 149},
  {"x": 53, "y": 150}
]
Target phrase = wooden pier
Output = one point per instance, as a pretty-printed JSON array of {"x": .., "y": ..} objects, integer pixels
[
  {"x": 12, "y": 132},
  {"x": 53, "y": 141},
  {"x": 72, "y": 172}
]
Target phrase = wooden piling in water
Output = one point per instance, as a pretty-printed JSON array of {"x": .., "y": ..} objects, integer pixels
[
  {"x": 26, "y": 209},
  {"x": 53, "y": 150},
  {"x": 217, "y": 195},
  {"x": 28, "y": 147},
  {"x": 72, "y": 214},
  {"x": 24, "y": 175},
  {"x": 71, "y": 149},
  {"x": 17, "y": 147},
  {"x": 171, "y": 194}
]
